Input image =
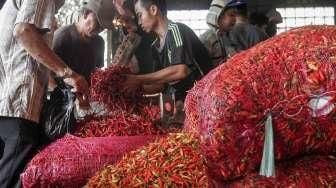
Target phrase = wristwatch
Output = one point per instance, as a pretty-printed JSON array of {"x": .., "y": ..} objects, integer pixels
[{"x": 67, "y": 73}]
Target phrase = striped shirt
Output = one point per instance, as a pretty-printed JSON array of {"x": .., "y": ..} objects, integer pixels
[
  {"x": 22, "y": 79},
  {"x": 182, "y": 46}
]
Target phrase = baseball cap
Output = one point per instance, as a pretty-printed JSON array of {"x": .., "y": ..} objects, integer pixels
[
  {"x": 104, "y": 11},
  {"x": 234, "y": 3}
]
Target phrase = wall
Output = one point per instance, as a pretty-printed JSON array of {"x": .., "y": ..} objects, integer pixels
[{"x": 259, "y": 4}]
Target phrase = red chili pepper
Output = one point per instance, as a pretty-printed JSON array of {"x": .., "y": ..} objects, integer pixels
[{"x": 164, "y": 166}]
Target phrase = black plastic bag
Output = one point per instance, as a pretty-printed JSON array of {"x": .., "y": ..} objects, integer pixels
[
  {"x": 2, "y": 147},
  {"x": 58, "y": 112}
]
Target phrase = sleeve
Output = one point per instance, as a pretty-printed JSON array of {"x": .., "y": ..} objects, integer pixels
[{"x": 38, "y": 12}]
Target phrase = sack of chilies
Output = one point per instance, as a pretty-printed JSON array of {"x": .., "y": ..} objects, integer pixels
[
  {"x": 71, "y": 161},
  {"x": 312, "y": 171},
  {"x": 272, "y": 102}
]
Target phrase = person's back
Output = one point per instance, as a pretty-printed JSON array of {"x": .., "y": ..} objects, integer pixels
[
  {"x": 245, "y": 35},
  {"x": 82, "y": 56}
]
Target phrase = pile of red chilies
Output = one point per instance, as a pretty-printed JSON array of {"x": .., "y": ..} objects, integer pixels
[
  {"x": 130, "y": 113},
  {"x": 174, "y": 161},
  {"x": 119, "y": 123},
  {"x": 107, "y": 86},
  {"x": 227, "y": 109}
]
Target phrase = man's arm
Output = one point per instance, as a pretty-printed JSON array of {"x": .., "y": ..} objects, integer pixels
[
  {"x": 29, "y": 37},
  {"x": 170, "y": 74},
  {"x": 153, "y": 89},
  {"x": 167, "y": 75}
]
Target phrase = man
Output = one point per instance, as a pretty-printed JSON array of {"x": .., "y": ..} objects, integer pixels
[
  {"x": 181, "y": 58},
  {"x": 244, "y": 35},
  {"x": 79, "y": 44},
  {"x": 82, "y": 49},
  {"x": 221, "y": 19},
  {"x": 25, "y": 62}
]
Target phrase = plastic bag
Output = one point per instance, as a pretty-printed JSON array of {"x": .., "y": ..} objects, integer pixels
[
  {"x": 172, "y": 110},
  {"x": 58, "y": 112}
]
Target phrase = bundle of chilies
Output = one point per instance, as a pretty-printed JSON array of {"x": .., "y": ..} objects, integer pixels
[
  {"x": 290, "y": 80},
  {"x": 129, "y": 113},
  {"x": 173, "y": 161},
  {"x": 119, "y": 123},
  {"x": 107, "y": 87}
]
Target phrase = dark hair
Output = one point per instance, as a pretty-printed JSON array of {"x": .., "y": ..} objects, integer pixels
[
  {"x": 161, "y": 4},
  {"x": 242, "y": 10},
  {"x": 129, "y": 4},
  {"x": 259, "y": 19}
]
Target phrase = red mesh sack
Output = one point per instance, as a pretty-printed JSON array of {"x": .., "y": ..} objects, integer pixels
[
  {"x": 292, "y": 78},
  {"x": 317, "y": 171},
  {"x": 70, "y": 161}
]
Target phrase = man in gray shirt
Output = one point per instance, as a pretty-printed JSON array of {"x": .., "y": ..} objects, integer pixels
[
  {"x": 25, "y": 62},
  {"x": 245, "y": 35},
  {"x": 79, "y": 44}
]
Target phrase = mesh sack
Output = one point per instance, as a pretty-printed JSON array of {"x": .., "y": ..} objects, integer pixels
[
  {"x": 70, "y": 161},
  {"x": 292, "y": 78}
]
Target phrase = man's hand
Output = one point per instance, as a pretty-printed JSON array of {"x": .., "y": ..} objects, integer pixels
[
  {"x": 131, "y": 84},
  {"x": 80, "y": 87}
]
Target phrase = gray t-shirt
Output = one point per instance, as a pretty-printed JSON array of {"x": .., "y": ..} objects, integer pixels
[
  {"x": 81, "y": 56},
  {"x": 23, "y": 80},
  {"x": 245, "y": 36},
  {"x": 220, "y": 48}
]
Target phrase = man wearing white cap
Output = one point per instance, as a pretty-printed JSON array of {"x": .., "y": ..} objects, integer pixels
[
  {"x": 221, "y": 18},
  {"x": 79, "y": 44}
]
